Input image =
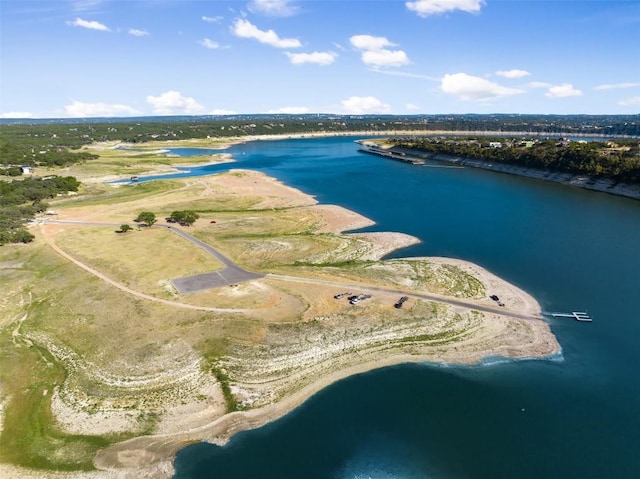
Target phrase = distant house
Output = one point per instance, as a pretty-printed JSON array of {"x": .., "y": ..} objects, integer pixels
[
  {"x": 495, "y": 144},
  {"x": 26, "y": 170}
]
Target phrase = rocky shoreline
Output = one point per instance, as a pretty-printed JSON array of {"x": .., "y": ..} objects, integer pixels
[{"x": 604, "y": 185}]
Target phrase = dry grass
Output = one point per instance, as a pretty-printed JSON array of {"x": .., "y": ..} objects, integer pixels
[{"x": 144, "y": 260}]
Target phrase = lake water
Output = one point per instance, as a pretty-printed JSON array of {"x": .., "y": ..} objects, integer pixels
[{"x": 573, "y": 416}]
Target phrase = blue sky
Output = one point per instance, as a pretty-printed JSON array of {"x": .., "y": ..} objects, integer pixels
[{"x": 87, "y": 58}]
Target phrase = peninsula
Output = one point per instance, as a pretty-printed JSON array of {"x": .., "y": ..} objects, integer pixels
[{"x": 109, "y": 369}]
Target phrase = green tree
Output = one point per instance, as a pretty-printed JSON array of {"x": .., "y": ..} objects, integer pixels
[
  {"x": 40, "y": 206},
  {"x": 176, "y": 216},
  {"x": 21, "y": 235},
  {"x": 185, "y": 217},
  {"x": 124, "y": 228},
  {"x": 190, "y": 217},
  {"x": 146, "y": 217}
]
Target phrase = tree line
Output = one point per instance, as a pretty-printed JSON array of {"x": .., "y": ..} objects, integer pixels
[{"x": 22, "y": 140}]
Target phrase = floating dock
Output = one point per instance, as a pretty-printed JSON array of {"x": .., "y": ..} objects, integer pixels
[{"x": 577, "y": 315}]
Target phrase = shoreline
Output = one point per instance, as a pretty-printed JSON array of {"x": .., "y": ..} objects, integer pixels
[
  {"x": 602, "y": 185},
  {"x": 425, "y": 133}
]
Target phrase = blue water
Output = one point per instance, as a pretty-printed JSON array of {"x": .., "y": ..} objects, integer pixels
[{"x": 573, "y": 416}]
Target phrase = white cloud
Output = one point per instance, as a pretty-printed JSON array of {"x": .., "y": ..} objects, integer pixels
[
  {"x": 364, "y": 105},
  {"x": 411, "y": 107},
  {"x": 385, "y": 58},
  {"x": 276, "y": 8},
  {"x": 82, "y": 110},
  {"x": 209, "y": 44},
  {"x": 16, "y": 114},
  {"x": 221, "y": 111},
  {"x": 319, "y": 58},
  {"x": 217, "y": 19},
  {"x": 513, "y": 73},
  {"x": 633, "y": 101},
  {"x": 472, "y": 88},
  {"x": 173, "y": 102},
  {"x": 615, "y": 86},
  {"x": 424, "y": 8},
  {"x": 138, "y": 33},
  {"x": 291, "y": 110},
  {"x": 369, "y": 42},
  {"x": 374, "y": 53},
  {"x": 90, "y": 24},
  {"x": 244, "y": 29},
  {"x": 562, "y": 91}
]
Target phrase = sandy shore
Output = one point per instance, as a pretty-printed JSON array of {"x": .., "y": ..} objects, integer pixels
[{"x": 313, "y": 366}]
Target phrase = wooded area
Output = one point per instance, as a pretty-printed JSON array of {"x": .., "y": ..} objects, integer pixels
[
  {"x": 22, "y": 141},
  {"x": 20, "y": 200}
]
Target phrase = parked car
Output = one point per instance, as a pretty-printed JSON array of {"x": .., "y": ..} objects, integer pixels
[{"x": 401, "y": 302}]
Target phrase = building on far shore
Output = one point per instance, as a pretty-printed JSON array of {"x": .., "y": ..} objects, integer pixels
[{"x": 26, "y": 170}]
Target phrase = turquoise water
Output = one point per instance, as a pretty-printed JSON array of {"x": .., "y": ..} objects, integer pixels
[{"x": 577, "y": 415}]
